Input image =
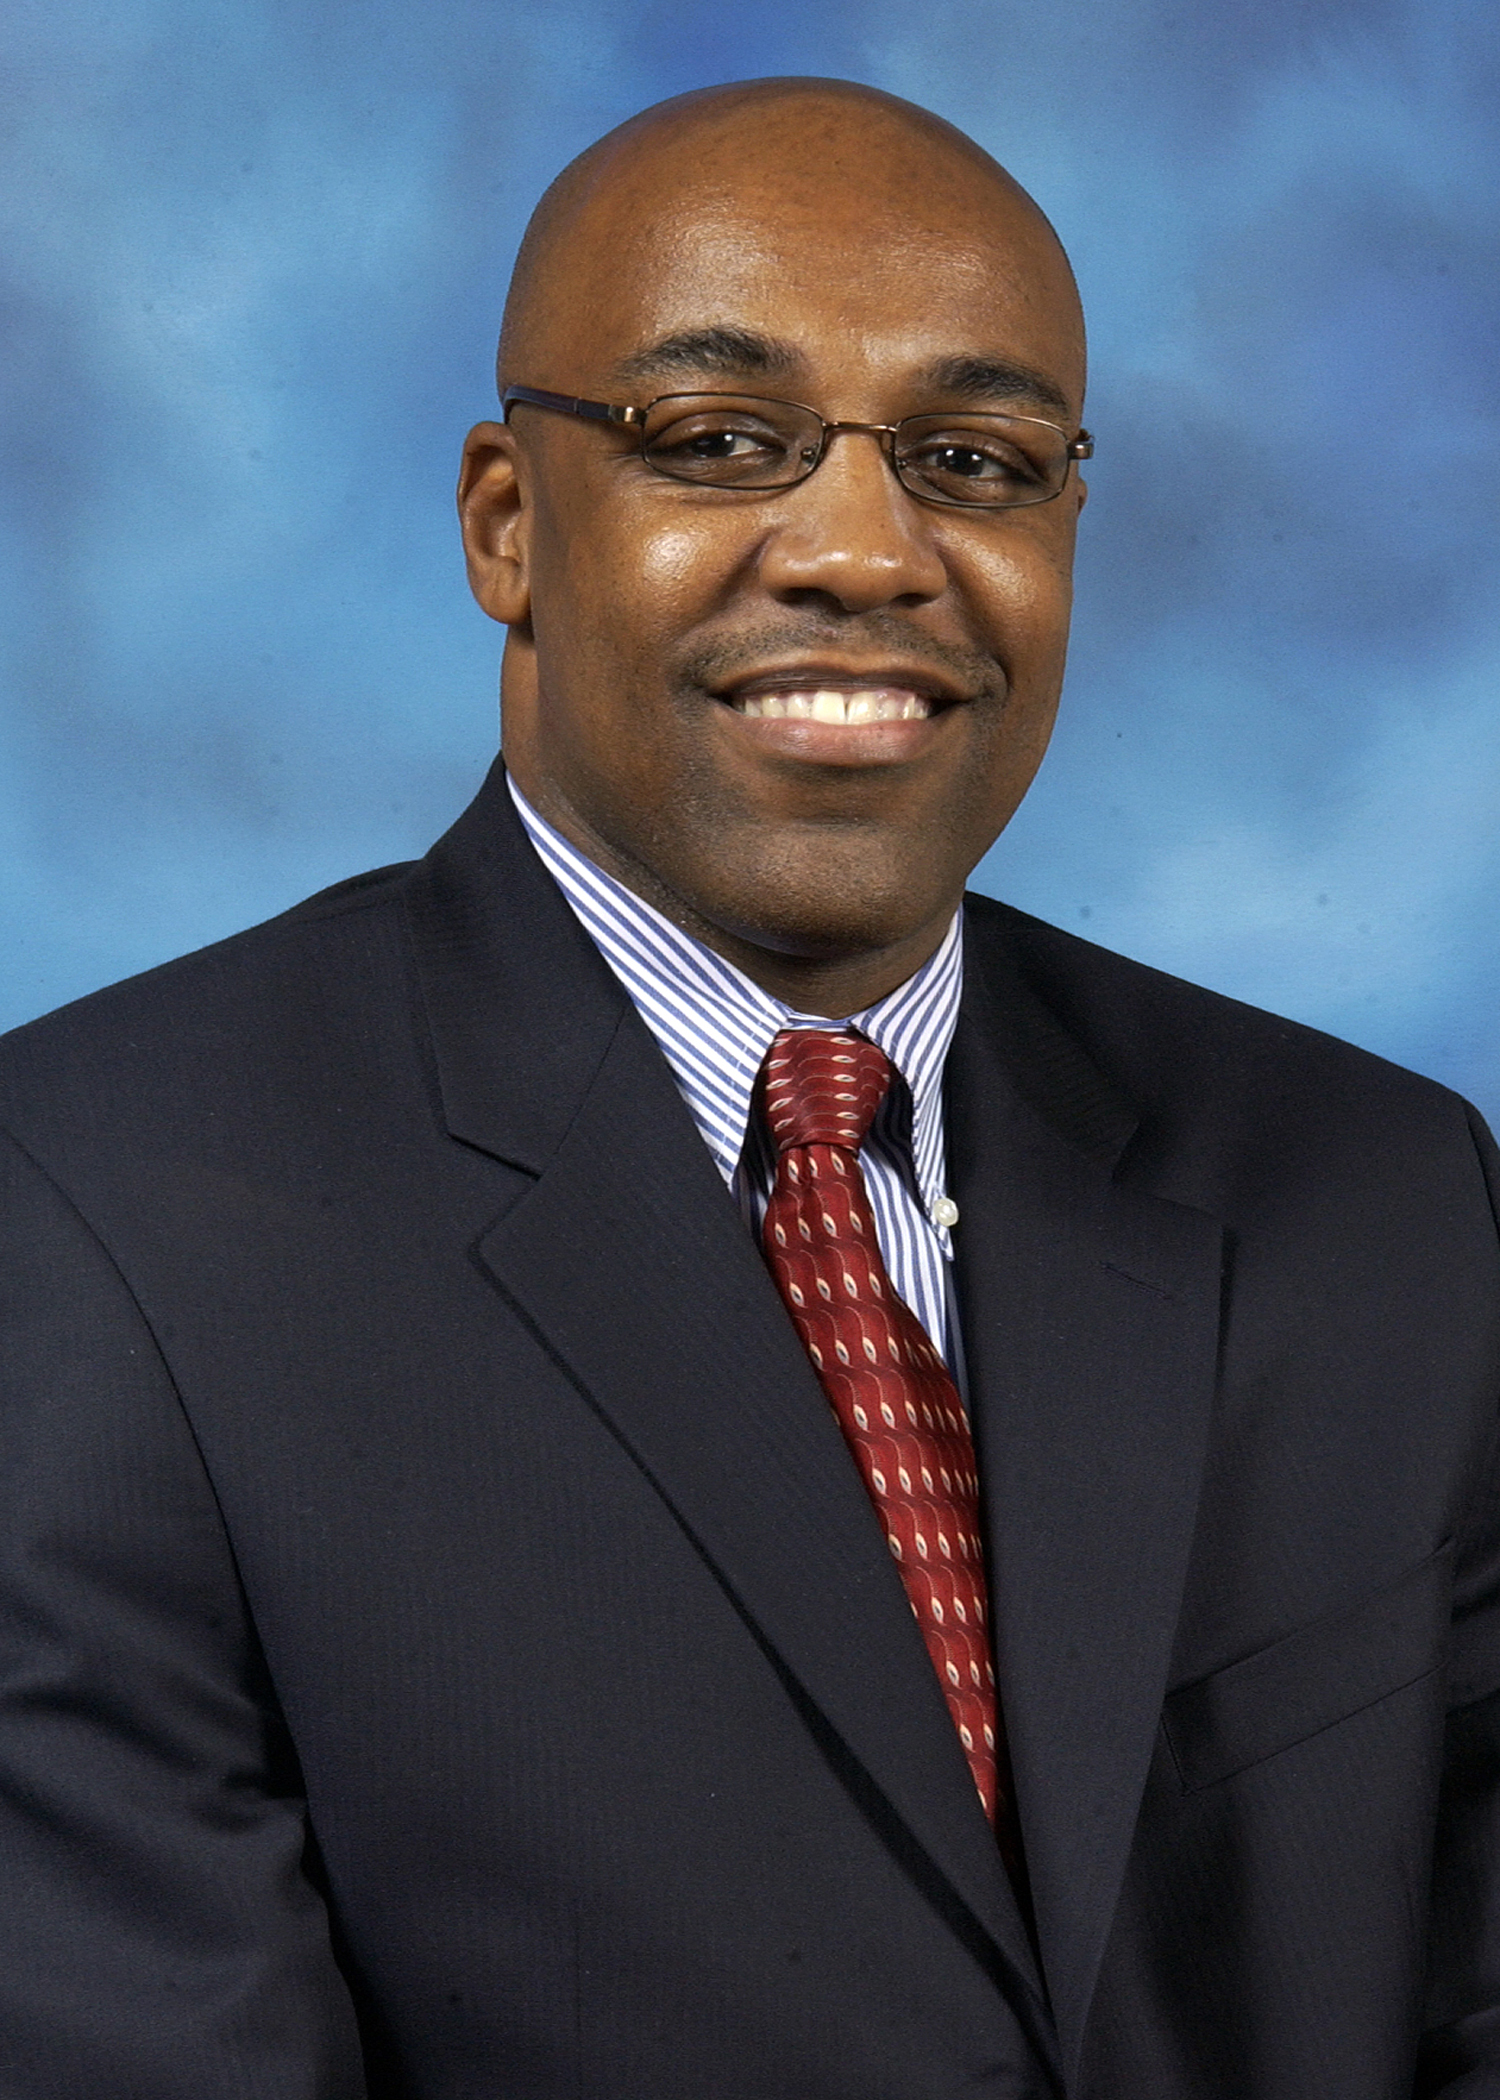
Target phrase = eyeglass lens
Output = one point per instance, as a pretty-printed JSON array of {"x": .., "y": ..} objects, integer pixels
[{"x": 741, "y": 441}]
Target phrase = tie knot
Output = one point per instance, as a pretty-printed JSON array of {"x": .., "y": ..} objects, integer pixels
[{"x": 823, "y": 1087}]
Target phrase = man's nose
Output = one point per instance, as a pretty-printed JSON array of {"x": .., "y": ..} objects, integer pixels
[{"x": 852, "y": 533}]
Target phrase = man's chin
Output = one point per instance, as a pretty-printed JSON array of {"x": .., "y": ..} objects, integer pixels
[{"x": 783, "y": 900}]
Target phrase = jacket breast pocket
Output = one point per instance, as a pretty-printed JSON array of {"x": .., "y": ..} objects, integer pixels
[{"x": 1311, "y": 1679}]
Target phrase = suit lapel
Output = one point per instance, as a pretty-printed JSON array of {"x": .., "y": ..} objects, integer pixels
[
  {"x": 1090, "y": 1312},
  {"x": 632, "y": 1264}
]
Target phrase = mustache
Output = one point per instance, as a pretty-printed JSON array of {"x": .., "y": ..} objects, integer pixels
[{"x": 879, "y": 634}]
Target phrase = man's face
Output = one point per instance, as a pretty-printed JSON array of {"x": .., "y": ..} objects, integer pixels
[{"x": 668, "y": 640}]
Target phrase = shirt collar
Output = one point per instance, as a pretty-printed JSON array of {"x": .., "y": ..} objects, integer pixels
[{"x": 714, "y": 1024}]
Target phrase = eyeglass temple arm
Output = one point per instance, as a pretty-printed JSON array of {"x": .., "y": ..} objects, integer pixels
[{"x": 569, "y": 405}]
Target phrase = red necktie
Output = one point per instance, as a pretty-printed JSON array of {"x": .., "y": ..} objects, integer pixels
[{"x": 890, "y": 1390}]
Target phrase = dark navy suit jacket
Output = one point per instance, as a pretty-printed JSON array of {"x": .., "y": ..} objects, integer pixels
[{"x": 446, "y": 1649}]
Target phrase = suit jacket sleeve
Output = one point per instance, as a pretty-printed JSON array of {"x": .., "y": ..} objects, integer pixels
[
  {"x": 158, "y": 1933},
  {"x": 1461, "y": 2050}
]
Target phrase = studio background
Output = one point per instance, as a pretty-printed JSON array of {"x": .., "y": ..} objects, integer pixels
[{"x": 252, "y": 258}]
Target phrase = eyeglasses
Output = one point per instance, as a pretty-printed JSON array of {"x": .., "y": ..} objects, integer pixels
[{"x": 738, "y": 441}]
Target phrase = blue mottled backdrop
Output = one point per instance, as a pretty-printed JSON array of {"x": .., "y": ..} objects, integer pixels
[{"x": 252, "y": 254}]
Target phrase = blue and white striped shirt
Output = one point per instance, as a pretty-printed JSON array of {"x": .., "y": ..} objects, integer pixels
[{"x": 715, "y": 1025}]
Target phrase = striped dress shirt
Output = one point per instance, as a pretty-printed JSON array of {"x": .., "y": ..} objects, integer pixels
[{"x": 715, "y": 1025}]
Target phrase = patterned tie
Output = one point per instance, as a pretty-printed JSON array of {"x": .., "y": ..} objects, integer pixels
[{"x": 890, "y": 1390}]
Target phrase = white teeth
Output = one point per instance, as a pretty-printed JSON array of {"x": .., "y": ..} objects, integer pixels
[{"x": 834, "y": 704}]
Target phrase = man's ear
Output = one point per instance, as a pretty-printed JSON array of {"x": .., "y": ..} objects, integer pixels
[{"x": 496, "y": 518}]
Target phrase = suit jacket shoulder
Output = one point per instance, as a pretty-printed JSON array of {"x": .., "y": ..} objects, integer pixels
[{"x": 1194, "y": 1080}]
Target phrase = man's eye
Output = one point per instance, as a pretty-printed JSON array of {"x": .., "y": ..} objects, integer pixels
[
  {"x": 718, "y": 444},
  {"x": 716, "y": 441},
  {"x": 964, "y": 459}
]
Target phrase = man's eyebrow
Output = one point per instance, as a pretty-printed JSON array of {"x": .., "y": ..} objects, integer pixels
[
  {"x": 974, "y": 379},
  {"x": 725, "y": 352},
  {"x": 732, "y": 353}
]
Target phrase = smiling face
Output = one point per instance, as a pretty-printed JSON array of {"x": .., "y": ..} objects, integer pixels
[{"x": 791, "y": 719}]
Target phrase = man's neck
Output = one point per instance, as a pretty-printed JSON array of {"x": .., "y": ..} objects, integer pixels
[{"x": 830, "y": 987}]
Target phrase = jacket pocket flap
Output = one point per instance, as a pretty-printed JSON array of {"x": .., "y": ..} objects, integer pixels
[{"x": 1311, "y": 1679}]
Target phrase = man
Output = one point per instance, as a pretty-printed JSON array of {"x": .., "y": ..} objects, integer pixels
[{"x": 463, "y": 1630}]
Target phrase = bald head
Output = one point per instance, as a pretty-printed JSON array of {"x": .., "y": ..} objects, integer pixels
[{"x": 763, "y": 165}]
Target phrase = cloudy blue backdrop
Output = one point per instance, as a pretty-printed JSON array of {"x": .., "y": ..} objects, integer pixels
[{"x": 252, "y": 253}]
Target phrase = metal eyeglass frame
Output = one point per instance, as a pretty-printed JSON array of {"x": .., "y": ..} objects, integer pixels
[{"x": 622, "y": 415}]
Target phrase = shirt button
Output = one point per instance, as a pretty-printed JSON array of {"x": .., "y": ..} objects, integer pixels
[{"x": 945, "y": 1212}]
